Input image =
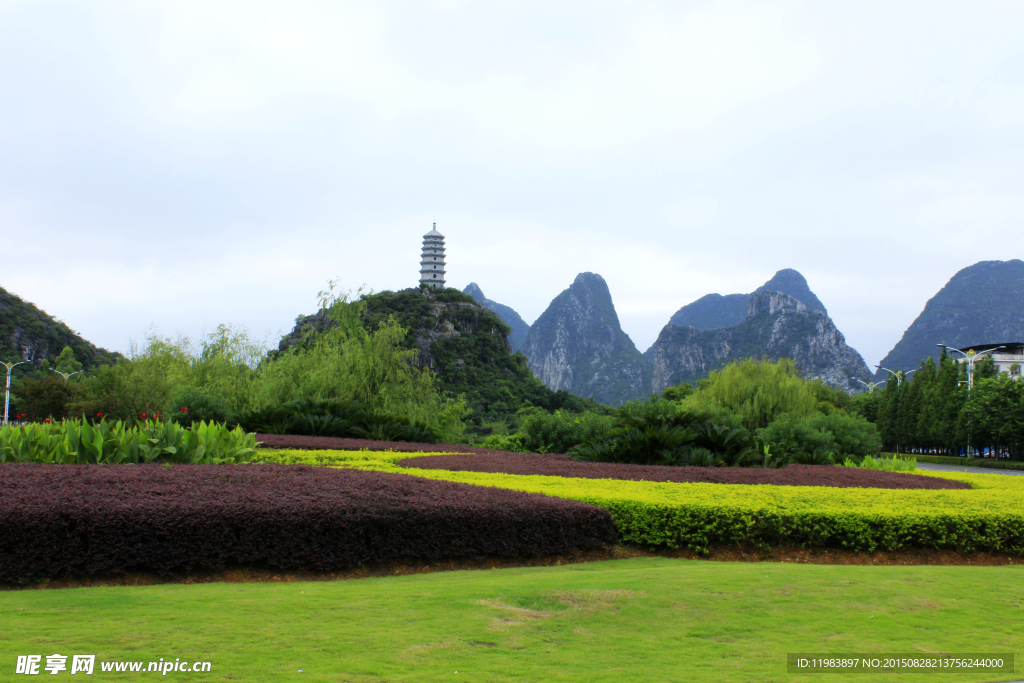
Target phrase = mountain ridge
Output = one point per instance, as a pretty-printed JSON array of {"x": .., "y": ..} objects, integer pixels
[
  {"x": 979, "y": 304},
  {"x": 578, "y": 345}
]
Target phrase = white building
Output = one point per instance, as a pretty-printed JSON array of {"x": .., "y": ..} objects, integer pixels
[{"x": 432, "y": 260}]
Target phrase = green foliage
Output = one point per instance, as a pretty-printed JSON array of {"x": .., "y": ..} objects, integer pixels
[
  {"x": 811, "y": 438},
  {"x": 475, "y": 364},
  {"x": 46, "y": 397},
  {"x": 21, "y": 322},
  {"x": 110, "y": 443},
  {"x": 558, "y": 432},
  {"x": 893, "y": 464},
  {"x": 371, "y": 366},
  {"x": 678, "y": 392},
  {"x": 342, "y": 418},
  {"x": 66, "y": 361},
  {"x": 933, "y": 412},
  {"x": 760, "y": 390},
  {"x": 660, "y": 432},
  {"x": 191, "y": 405}
]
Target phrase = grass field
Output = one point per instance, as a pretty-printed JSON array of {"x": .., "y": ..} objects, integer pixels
[{"x": 646, "y": 619}]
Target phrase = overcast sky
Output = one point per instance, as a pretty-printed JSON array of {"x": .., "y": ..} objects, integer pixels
[{"x": 183, "y": 164}]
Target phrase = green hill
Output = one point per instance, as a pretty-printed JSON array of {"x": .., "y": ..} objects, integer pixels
[
  {"x": 466, "y": 345},
  {"x": 29, "y": 333}
]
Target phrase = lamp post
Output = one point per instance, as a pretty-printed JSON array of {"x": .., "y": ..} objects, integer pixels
[
  {"x": 970, "y": 356},
  {"x": 65, "y": 375},
  {"x": 898, "y": 375},
  {"x": 870, "y": 385},
  {"x": 7, "y": 400}
]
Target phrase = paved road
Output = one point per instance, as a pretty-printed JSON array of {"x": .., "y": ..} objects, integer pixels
[{"x": 971, "y": 470}]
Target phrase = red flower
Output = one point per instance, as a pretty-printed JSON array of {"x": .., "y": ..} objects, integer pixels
[
  {"x": 19, "y": 416},
  {"x": 143, "y": 416},
  {"x": 184, "y": 410},
  {"x": 99, "y": 414},
  {"x": 46, "y": 421}
]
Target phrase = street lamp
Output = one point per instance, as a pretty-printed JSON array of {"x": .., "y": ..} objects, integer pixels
[
  {"x": 971, "y": 356},
  {"x": 898, "y": 375},
  {"x": 870, "y": 385},
  {"x": 65, "y": 375},
  {"x": 7, "y": 400}
]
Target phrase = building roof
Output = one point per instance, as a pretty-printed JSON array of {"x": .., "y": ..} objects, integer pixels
[
  {"x": 434, "y": 233},
  {"x": 1010, "y": 347}
]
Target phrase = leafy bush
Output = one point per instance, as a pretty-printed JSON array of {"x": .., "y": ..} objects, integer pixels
[
  {"x": 110, "y": 443},
  {"x": 893, "y": 464},
  {"x": 816, "y": 436},
  {"x": 191, "y": 405},
  {"x": 337, "y": 418},
  {"x": 661, "y": 432},
  {"x": 559, "y": 431},
  {"x": 759, "y": 391},
  {"x": 58, "y": 521}
]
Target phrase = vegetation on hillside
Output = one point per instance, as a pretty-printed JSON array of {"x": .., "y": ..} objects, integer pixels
[{"x": 26, "y": 332}]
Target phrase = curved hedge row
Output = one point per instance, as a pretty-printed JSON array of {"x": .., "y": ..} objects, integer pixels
[
  {"x": 90, "y": 519},
  {"x": 988, "y": 517}
]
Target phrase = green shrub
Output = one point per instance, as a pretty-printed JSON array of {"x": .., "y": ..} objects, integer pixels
[
  {"x": 332, "y": 417},
  {"x": 893, "y": 464},
  {"x": 112, "y": 442},
  {"x": 558, "y": 432},
  {"x": 817, "y": 435},
  {"x": 661, "y": 432},
  {"x": 191, "y": 405}
]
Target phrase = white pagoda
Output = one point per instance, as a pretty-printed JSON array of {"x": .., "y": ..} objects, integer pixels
[{"x": 432, "y": 261}]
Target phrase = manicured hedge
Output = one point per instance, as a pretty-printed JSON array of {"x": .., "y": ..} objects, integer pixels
[
  {"x": 987, "y": 517},
  {"x": 986, "y": 463},
  {"x": 790, "y": 475},
  {"x": 87, "y": 519}
]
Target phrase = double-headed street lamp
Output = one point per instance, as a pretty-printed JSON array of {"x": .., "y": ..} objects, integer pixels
[
  {"x": 65, "y": 375},
  {"x": 970, "y": 356},
  {"x": 898, "y": 375},
  {"x": 7, "y": 399},
  {"x": 870, "y": 385}
]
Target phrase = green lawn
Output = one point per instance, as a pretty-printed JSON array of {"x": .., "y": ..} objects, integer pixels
[{"x": 648, "y": 619}]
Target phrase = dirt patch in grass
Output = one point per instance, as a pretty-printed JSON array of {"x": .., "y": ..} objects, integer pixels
[
  {"x": 407, "y": 567},
  {"x": 790, "y": 475}
]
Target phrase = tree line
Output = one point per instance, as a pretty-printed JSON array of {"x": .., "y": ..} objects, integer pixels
[{"x": 934, "y": 410}]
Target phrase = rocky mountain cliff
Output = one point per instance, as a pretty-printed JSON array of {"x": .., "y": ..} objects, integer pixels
[
  {"x": 981, "y": 304},
  {"x": 715, "y": 311},
  {"x": 578, "y": 345},
  {"x": 519, "y": 327},
  {"x": 28, "y": 333},
  {"x": 777, "y": 326}
]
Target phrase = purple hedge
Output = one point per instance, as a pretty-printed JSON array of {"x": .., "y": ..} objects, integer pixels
[{"x": 93, "y": 519}]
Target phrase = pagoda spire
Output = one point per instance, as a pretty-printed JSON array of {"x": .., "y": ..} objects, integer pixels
[{"x": 432, "y": 259}]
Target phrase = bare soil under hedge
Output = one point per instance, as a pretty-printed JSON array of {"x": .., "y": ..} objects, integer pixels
[
  {"x": 790, "y": 475},
  {"x": 407, "y": 566},
  {"x": 81, "y": 520}
]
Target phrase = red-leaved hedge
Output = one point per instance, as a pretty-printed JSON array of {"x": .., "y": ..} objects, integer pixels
[
  {"x": 93, "y": 519},
  {"x": 790, "y": 475}
]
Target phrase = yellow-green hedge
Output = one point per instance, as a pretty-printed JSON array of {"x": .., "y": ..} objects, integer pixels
[{"x": 988, "y": 517}]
